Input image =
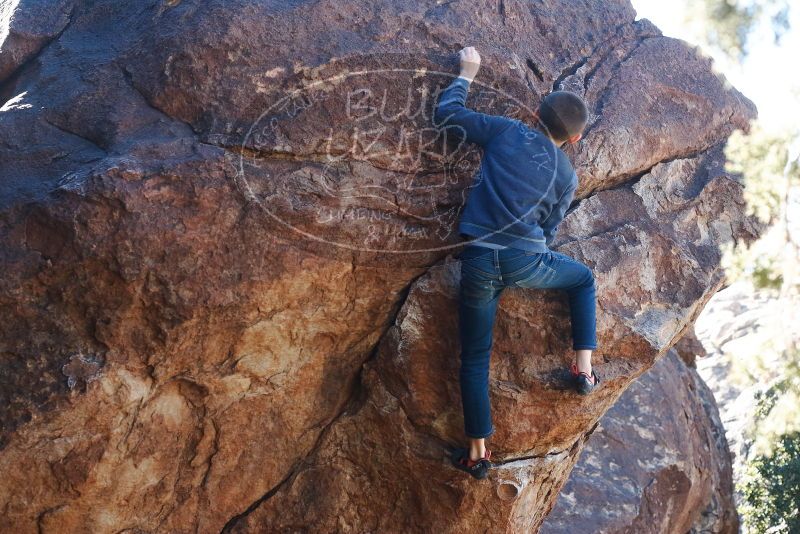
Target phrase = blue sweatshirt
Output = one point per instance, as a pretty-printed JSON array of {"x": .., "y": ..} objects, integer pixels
[{"x": 525, "y": 183}]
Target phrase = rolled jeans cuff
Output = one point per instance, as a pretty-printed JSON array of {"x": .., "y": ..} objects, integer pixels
[
  {"x": 584, "y": 347},
  {"x": 482, "y": 435}
]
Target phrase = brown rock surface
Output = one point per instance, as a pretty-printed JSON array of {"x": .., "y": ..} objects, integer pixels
[
  {"x": 690, "y": 348},
  {"x": 658, "y": 462},
  {"x": 211, "y": 213},
  {"x": 539, "y": 419},
  {"x": 28, "y": 27}
]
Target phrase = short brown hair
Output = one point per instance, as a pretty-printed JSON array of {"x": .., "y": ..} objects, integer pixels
[{"x": 563, "y": 114}]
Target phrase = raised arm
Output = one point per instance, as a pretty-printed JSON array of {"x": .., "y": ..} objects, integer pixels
[{"x": 451, "y": 111}]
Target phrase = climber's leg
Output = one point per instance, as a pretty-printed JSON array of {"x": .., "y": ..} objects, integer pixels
[
  {"x": 478, "y": 297},
  {"x": 476, "y": 325},
  {"x": 553, "y": 270},
  {"x": 578, "y": 281},
  {"x": 584, "y": 360},
  {"x": 477, "y": 448}
]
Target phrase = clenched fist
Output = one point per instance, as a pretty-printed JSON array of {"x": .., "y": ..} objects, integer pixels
[{"x": 470, "y": 62}]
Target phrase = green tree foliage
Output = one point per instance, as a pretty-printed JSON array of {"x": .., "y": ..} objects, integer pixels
[
  {"x": 771, "y": 489},
  {"x": 761, "y": 158},
  {"x": 770, "y": 174},
  {"x": 769, "y": 166},
  {"x": 729, "y": 23}
]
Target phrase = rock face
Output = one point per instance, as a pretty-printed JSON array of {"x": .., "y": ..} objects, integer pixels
[
  {"x": 658, "y": 462},
  {"x": 689, "y": 348},
  {"x": 228, "y": 232}
]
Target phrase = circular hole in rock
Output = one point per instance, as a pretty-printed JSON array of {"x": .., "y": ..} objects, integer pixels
[{"x": 507, "y": 490}]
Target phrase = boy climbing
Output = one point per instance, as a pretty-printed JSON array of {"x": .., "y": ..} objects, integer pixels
[{"x": 525, "y": 185}]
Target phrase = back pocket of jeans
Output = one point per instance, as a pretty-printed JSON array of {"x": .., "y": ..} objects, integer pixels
[
  {"x": 469, "y": 268},
  {"x": 539, "y": 272}
]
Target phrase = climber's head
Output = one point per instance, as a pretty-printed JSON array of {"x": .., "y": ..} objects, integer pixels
[{"x": 562, "y": 116}]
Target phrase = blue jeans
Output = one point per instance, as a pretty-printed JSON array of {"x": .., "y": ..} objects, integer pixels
[{"x": 485, "y": 273}]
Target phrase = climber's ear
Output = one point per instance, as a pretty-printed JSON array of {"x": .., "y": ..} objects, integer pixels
[{"x": 574, "y": 139}]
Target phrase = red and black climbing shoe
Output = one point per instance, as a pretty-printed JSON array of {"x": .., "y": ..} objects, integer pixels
[
  {"x": 477, "y": 468},
  {"x": 584, "y": 382}
]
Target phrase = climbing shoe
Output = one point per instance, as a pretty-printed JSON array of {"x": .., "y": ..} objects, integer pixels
[
  {"x": 477, "y": 468},
  {"x": 584, "y": 382}
]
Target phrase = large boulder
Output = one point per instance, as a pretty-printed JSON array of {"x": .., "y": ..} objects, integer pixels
[
  {"x": 228, "y": 232},
  {"x": 649, "y": 290},
  {"x": 658, "y": 462}
]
